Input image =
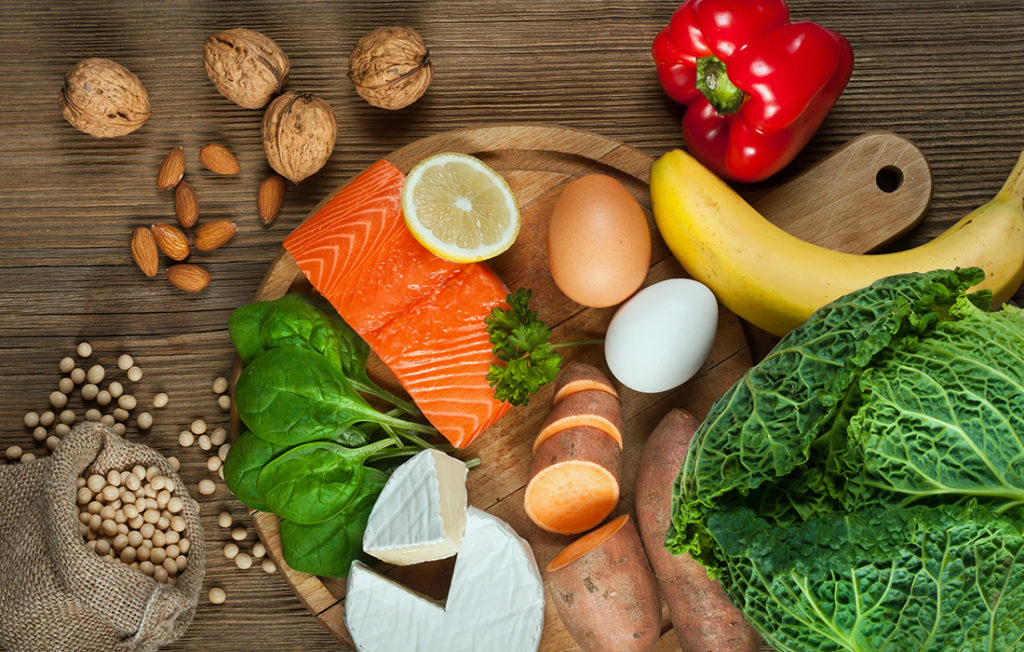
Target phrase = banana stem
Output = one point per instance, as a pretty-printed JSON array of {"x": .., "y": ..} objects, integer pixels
[{"x": 1013, "y": 188}]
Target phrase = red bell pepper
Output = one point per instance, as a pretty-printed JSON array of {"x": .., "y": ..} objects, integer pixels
[{"x": 757, "y": 86}]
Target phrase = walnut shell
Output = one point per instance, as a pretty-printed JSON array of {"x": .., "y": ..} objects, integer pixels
[
  {"x": 247, "y": 67},
  {"x": 390, "y": 67},
  {"x": 299, "y": 132},
  {"x": 103, "y": 98}
]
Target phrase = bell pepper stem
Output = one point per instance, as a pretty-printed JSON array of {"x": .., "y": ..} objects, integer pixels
[{"x": 713, "y": 81}]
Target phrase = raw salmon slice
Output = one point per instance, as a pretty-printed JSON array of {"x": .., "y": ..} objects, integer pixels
[
  {"x": 422, "y": 316},
  {"x": 450, "y": 378}
]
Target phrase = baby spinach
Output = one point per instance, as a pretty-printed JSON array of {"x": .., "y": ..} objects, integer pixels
[
  {"x": 290, "y": 395},
  {"x": 328, "y": 548},
  {"x": 309, "y": 431},
  {"x": 313, "y": 482},
  {"x": 288, "y": 321},
  {"x": 293, "y": 320},
  {"x": 245, "y": 459}
]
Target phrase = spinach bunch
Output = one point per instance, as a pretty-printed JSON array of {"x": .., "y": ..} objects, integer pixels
[{"x": 314, "y": 451}]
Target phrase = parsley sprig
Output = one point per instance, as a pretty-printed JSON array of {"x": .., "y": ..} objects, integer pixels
[{"x": 523, "y": 343}]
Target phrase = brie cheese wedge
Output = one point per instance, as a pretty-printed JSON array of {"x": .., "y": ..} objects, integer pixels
[
  {"x": 495, "y": 602},
  {"x": 420, "y": 514}
]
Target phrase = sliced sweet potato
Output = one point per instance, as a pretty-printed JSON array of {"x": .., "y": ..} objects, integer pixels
[
  {"x": 574, "y": 481},
  {"x": 591, "y": 408},
  {"x": 580, "y": 377},
  {"x": 703, "y": 618},
  {"x": 605, "y": 592}
]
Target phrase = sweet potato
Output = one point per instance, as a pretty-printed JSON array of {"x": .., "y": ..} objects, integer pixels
[
  {"x": 703, "y": 617},
  {"x": 605, "y": 592},
  {"x": 580, "y": 377},
  {"x": 596, "y": 409},
  {"x": 574, "y": 481}
]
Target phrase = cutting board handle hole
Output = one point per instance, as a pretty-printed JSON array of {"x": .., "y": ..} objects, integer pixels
[{"x": 889, "y": 178}]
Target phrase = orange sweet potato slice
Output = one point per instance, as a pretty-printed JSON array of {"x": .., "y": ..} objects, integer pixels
[
  {"x": 574, "y": 481},
  {"x": 593, "y": 409},
  {"x": 581, "y": 377}
]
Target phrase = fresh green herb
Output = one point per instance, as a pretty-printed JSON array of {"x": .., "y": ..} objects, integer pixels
[{"x": 523, "y": 342}]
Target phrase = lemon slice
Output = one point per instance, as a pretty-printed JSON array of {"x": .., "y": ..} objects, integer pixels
[{"x": 459, "y": 208}]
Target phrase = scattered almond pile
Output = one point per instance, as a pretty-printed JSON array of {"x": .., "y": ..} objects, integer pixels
[{"x": 148, "y": 243}]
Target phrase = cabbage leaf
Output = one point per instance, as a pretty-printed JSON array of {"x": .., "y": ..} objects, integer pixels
[{"x": 862, "y": 488}]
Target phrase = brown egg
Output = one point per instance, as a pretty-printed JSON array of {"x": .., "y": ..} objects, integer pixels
[{"x": 599, "y": 242}]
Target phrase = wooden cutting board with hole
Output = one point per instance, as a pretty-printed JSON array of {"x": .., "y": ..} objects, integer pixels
[{"x": 868, "y": 192}]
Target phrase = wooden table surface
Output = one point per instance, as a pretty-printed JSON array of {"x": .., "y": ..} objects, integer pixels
[{"x": 946, "y": 74}]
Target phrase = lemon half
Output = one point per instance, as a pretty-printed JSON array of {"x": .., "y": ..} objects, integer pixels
[{"x": 459, "y": 208}]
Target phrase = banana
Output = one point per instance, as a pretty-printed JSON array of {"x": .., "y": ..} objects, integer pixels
[{"x": 775, "y": 280}]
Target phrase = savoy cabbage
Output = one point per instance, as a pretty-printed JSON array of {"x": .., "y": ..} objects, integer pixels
[{"x": 862, "y": 488}]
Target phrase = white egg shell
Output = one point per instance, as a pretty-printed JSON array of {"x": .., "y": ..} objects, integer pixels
[{"x": 660, "y": 337}]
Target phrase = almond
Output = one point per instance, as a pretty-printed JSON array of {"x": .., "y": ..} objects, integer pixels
[
  {"x": 186, "y": 206},
  {"x": 219, "y": 159},
  {"x": 210, "y": 235},
  {"x": 269, "y": 197},
  {"x": 144, "y": 251},
  {"x": 171, "y": 240},
  {"x": 188, "y": 277},
  {"x": 171, "y": 170}
]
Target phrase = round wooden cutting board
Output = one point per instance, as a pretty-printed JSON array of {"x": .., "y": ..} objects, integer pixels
[{"x": 537, "y": 161}]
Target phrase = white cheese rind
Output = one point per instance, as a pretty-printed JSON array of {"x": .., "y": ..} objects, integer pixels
[
  {"x": 420, "y": 514},
  {"x": 496, "y": 600}
]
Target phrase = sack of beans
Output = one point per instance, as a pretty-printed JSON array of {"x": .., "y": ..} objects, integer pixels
[{"x": 102, "y": 548}]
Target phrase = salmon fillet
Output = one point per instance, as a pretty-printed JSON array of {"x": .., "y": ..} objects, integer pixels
[{"x": 423, "y": 316}]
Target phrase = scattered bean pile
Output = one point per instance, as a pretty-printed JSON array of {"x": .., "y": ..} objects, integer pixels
[
  {"x": 134, "y": 516},
  {"x": 104, "y": 398}
]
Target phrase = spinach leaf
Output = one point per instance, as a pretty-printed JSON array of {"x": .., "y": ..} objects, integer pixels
[
  {"x": 245, "y": 459},
  {"x": 313, "y": 482},
  {"x": 294, "y": 320},
  {"x": 288, "y": 321},
  {"x": 289, "y": 396},
  {"x": 329, "y": 548}
]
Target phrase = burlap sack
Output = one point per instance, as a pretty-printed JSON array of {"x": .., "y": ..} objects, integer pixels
[{"x": 56, "y": 593}]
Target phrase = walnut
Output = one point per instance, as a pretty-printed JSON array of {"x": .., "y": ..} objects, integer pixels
[
  {"x": 299, "y": 132},
  {"x": 246, "y": 66},
  {"x": 390, "y": 67},
  {"x": 103, "y": 98}
]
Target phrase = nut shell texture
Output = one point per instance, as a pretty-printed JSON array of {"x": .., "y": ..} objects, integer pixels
[
  {"x": 103, "y": 98},
  {"x": 299, "y": 131},
  {"x": 390, "y": 67},
  {"x": 247, "y": 67}
]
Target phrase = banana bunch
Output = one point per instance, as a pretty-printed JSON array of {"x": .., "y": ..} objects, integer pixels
[{"x": 775, "y": 280}]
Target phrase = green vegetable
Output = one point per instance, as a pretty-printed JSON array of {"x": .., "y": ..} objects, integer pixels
[
  {"x": 290, "y": 395},
  {"x": 293, "y": 320},
  {"x": 523, "y": 342},
  {"x": 862, "y": 488},
  {"x": 245, "y": 459},
  {"x": 310, "y": 433},
  {"x": 313, "y": 482},
  {"x": 329, "y": 548}
]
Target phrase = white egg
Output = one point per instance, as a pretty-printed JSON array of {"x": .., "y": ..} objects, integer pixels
[{"x": 660, "y": 337}]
